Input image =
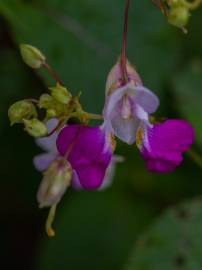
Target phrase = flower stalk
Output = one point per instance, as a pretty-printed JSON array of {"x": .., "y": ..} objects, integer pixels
[{"x": 124, "y": 45}]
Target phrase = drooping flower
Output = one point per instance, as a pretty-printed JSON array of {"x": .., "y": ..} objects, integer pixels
[
  {"x": 127, "y": 105},
  {"x": 162, "y": 145},
  {"x": 89, "y": 151}
]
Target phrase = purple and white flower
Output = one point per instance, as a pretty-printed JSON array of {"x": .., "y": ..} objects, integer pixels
[
  {"x": 127, "y": 106},
  {"x": 162, "y": 145}
]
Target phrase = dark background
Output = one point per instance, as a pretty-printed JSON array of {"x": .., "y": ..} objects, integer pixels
[{"x": 82, "y": 40}]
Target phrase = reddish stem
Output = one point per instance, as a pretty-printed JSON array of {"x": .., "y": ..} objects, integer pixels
[
  {"x": 53, "y": 73},
  {"x": 124, "y": 45}
]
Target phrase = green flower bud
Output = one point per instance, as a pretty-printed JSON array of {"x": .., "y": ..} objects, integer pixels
[
  {"x": 46, "y": 101},
  {"x": 61, "y": 94},
  {"x": 32, "y": 56},
  {"x": 55, "y": 182},
  {"x": 51, "y": 113},
  {"x": 21, "y": 110},
  {"x": 35, "y": 127},
  {"x": 179, "y": 16}
]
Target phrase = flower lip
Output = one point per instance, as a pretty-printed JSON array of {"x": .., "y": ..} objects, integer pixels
[{"x": 163, "y": 144}]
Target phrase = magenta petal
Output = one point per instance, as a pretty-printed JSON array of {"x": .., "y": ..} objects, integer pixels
[
  {"x": 164, "y": 144},
  {"x": 88, "y": 151}
]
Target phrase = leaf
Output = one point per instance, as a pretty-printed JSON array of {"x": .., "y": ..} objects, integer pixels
[
  {"x": 173, "y": 242},
  {"x": 82, "y": 40},
  {"x": 93, "y": 231},
  {"x": 188, "y": 91}
]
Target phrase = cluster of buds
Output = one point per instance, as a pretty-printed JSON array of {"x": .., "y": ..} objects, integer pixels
[
  {"x": 57, "y": 103},
  {"x": 178, "y": 12}
]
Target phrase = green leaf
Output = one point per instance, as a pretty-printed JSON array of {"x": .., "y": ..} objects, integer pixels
[
  {"x": 82, "y": 41},
  {"x": 94, "y": 230},
  {"x": 173, "y": 242},
  {"x": 188, "y": 91}
]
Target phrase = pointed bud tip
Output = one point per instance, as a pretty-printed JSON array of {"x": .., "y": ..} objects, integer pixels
[
  {"x": 32, "y": 56},
  {"x": 61, "y": 94}
]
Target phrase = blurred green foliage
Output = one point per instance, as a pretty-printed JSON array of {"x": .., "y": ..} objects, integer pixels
[
  {"x": 173, "y": 242},
  {"x": 82, "y": 40}
]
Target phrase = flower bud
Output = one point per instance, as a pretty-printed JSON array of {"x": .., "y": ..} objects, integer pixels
[
  {"x": 179, "y": 16},
  {"x": 114, "y": 79},
  {"x": 35, "y": 127},
  {"x": 32, "y": 56},
  {"x": 61, "y": 94},
  {"x": 46, "y": 101},
  {"x": 55, "y": 182},
  {"x": 21, "y": 110}
]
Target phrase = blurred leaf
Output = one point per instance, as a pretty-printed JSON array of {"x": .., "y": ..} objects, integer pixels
[
  {"x": 94, "y": 231},
  {"x": 188, "y": 90},
  {"x": 173, "y": 242},
  {"x": 82, "y": 40}
]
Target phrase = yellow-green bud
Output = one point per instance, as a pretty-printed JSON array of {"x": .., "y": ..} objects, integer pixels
[
  {"x": 21, "y": 110},
  {"x": 55, "y": 182},
  {"x": 35, "y": 128},
  {"x": 32, "y": 56},
  {"x": 179, "y": 16},
  {"x": 46, "y": 101},
  {"x": 61, "y": 94}
]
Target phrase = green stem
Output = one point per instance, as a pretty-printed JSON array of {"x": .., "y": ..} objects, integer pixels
[
  {"x": 197, "y": 158},
  {"x": 49, "y": 221}
]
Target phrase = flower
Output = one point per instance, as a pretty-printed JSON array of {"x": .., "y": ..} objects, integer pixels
[
  {"x": 161, "y": 145},
  {"x": 127, "y": 105},
  {"x": 43, "y": 161},
  {"x": 89, "y": 151},
  {"x": 48, "y": 144}
]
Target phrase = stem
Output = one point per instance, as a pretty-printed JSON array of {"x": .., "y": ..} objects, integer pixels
[
  {"x": 53, "y": 73},
  {"x": 192, "y": 5},
  {"x": 160, "y": 5},
  {"x": 124, "y": 45},
  {"x": 197, "y": 158},
  {"x": 49, "y": 221}
]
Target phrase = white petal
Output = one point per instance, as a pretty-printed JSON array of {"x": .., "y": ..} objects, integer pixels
[
  {"x": 146, "y": 99},
  {"x": 125, "y": 129},
  {"x": 42, "y": 161},
  {"x": 110, "y": 172},
  {"x": 49, "y": 143}
]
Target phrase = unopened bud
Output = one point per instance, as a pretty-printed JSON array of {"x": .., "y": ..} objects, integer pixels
[
  {"x": 179, "y": 16},
  {"x": 32, "y": 56},
  {"x": 21, "y": 110},
  {"x": 61, "y": 94},
  {"x": 115, "y": 77},
  {"x": 35, "y": 128},
  {"x": 46, "y": 101},
  {"x": 55, "y": 182}
]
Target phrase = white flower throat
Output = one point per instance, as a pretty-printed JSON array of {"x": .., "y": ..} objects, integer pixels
[{"x": 126, "y": 110}]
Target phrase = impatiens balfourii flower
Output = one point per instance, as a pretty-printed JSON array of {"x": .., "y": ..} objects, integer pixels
[
  {"x": 44, "y": 160},
  {"x": 89, "y": 151},
  {"x": 161, "y": 145},
  {"x": 127, "y": 105}
]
